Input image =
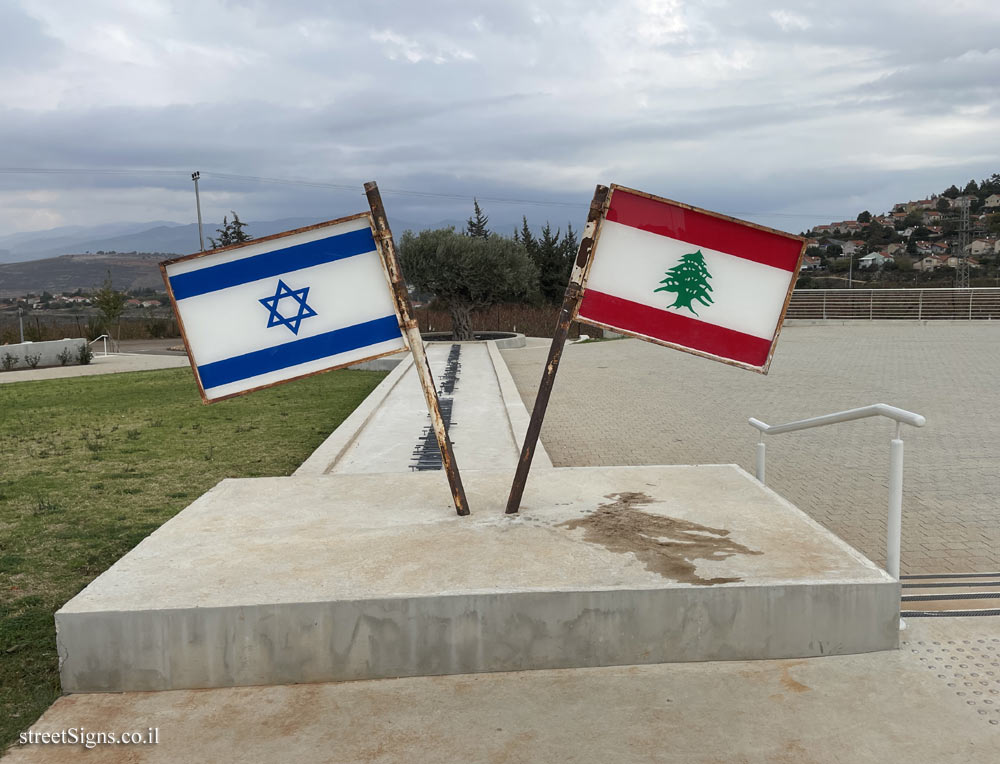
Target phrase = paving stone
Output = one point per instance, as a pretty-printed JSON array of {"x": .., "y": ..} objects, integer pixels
[{"x": 631, "y": 402}]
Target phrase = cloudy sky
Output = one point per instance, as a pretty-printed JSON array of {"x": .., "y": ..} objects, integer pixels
[{"x": 787, "y": 113}]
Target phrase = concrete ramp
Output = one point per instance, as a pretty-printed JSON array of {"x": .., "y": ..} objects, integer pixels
[{"x": 363, "y": 576}]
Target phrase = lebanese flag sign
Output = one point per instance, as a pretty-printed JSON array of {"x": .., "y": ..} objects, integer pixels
[{"x": 690, "y": 279}]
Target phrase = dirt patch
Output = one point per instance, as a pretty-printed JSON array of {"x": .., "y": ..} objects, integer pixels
[{"x": 665, "y": 545}]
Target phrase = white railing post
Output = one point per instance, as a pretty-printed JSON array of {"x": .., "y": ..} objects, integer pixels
[
  {"x": 104, "y": 339},
  {"x": 894, "y": 526},
  {"x": 895, "y": 519},
  {"x": 871, "y": 304},
  {"x": 920, "y": 306},
  {"x": 824, "y": 306}
]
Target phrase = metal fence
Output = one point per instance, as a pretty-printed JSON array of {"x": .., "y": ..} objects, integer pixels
[{"x": 982, "y": 303}]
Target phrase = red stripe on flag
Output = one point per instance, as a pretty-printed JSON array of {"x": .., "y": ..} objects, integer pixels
[
  {"x": 674, "y": 328},
  {"x": 703, "y": 230}
]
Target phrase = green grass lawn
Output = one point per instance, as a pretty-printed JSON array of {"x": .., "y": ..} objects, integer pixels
[{"x": 89, "y": 466}]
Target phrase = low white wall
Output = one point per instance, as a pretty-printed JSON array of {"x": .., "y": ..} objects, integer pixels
[{"x": 49, "y": 352}]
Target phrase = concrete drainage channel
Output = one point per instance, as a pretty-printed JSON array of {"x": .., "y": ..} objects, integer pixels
[{"x": 390, "y": 431}]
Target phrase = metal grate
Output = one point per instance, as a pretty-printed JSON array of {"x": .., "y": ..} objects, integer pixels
[
  {"x": 965, "y": 595},
  {"x": 427, "y": 454},
  {"x": 939, "y": 584},
  {"x": 916, "y": 577},
  {"x": 946, "y": 596}
]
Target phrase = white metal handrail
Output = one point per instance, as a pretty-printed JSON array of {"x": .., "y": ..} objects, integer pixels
[
  {"x": 901, "y": 417},
  {"x": 102, "y": 337}
]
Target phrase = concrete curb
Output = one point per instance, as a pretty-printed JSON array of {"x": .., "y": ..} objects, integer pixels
[
  {"x": 511, "y": 342},
  {"x": 517, "y": 413},
  {"x": 388, "y": 363},
  {"x": 330, "y": 450}
]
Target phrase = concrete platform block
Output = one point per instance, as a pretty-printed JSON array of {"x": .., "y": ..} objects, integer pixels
[{"x": 336, "y": 577}]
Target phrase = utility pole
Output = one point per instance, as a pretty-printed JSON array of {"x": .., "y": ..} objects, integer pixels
[
  {"x": 20, "y": 322},
  {"x": 962, "y": 269},
  {"x": 197, "y": 200}
]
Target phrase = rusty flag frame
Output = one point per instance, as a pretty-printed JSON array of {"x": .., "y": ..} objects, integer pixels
[
  {"x": 570, "y": 312},
  {"x": 387, "y": 248},
  {"x": 571, "y": 301}
]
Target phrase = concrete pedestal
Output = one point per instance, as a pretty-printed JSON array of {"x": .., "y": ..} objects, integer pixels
[{"x": 335, "y": 577}]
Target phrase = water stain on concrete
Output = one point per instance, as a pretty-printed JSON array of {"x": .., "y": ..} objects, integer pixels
[
  {"x": 665, "y": 545},
  {"x": 789, "y": 682}
]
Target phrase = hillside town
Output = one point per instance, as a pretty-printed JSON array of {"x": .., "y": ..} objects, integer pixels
[
  {"x": 936, "y": 238},
  {"x": 75, "y": 300}
]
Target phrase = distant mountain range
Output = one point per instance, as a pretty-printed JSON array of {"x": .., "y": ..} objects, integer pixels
[
  {"x": 65, "y": 259},
  {"x": 157, "y": 236},
  {"x": 168, "y": 238}
]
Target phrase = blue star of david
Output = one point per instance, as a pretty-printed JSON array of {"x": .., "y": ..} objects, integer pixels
[{"x": 283, "y": 291}]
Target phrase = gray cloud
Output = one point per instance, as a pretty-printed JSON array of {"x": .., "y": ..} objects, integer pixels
[
  {"x": 25, "y": 44},
  {"x": 791, "y": 109}
]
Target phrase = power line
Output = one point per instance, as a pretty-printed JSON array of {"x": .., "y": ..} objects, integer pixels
[
  {"x": 352, "y": 188},
  {"x": 84, "y": 171}
]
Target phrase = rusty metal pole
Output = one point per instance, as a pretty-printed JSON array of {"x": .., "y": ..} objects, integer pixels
[
  {"x": 383, "y": 236},
  {"x": 571, "y": 300}
]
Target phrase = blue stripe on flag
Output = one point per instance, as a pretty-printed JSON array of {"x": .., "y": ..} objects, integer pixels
[
  {"x": 275, "y": 263},
  {"x": 300, "y": 351}
]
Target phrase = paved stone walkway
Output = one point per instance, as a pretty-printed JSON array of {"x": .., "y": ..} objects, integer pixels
[
  {"x": 115, "y": 363},
  {"x": 631, "y": 402}
]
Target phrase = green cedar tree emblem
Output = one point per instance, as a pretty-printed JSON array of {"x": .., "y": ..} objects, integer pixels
[{"x": 689, "y": 279}]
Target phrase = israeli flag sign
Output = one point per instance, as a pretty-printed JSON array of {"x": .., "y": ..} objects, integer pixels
[{"x": 284, "y": 307}]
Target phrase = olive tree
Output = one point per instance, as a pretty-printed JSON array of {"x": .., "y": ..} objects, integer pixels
[{"x": 466, "y": 273}]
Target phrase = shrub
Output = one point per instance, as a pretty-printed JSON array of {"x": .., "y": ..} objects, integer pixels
[
  {"x": 158, "y": 328},
  {"x": 84, "y": 354},
  {"x": 9, "y": 361},
  {"x": 65, "y": 356},
  {"x": 32, "y": 359}
]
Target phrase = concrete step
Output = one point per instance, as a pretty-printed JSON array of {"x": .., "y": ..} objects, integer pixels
[{"x": 950, "y": 594}]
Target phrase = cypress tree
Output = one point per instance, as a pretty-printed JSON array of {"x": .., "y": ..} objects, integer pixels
[{"x": 475, "y": 226}]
